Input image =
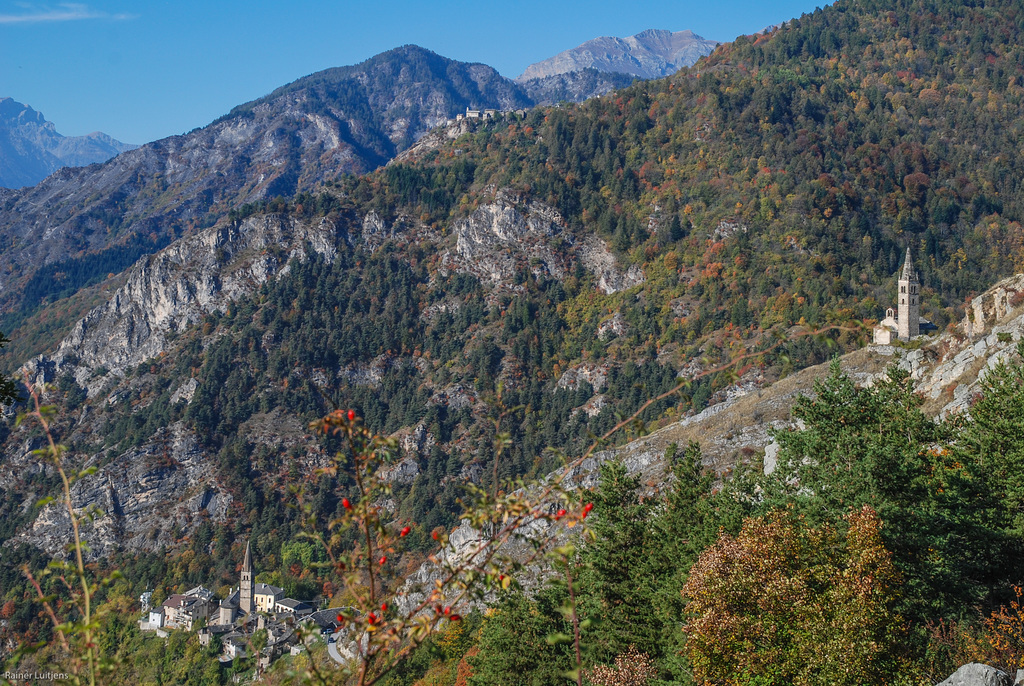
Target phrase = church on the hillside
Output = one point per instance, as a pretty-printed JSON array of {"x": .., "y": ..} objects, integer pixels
[{"x": 905, "y": 322}]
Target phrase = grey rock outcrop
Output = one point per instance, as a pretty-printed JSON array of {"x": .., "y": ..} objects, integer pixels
[
  {"x": 167, "y": 292},
  {"x": 594, "y": 374},
  {"x": 976, "y": 674},
  {"x": 574, "y": 86},
  {"x": 137, "y": 499},
  {"x": 599, "y": 261},
  {"x": 649, "y": 54},
  {"x": 951, "y": 371},
  {"x": 509, "y": 234}
]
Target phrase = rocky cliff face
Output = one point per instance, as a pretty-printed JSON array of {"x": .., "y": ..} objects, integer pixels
[
  {"x": 512, "y": 234},
  {"x": 31, "y": 149},
  {"x": 172, "y": 290},
  {"x": 137, "y": 498},
  {"x": 649, "y": 54},
  {"x": 169, "y": 483}
]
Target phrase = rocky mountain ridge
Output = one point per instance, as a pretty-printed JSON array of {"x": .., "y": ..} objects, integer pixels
[
  {"x": 574, "y": 86},
  {"x": 31, "y": 149},
  {"x": 649, "y": 54},
  {"x": 167, "y": 292},
  {"x": 345, "y": 120}
]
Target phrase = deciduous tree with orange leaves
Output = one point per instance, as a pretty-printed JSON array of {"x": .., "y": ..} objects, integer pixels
[{"x": 785, "y": 603}]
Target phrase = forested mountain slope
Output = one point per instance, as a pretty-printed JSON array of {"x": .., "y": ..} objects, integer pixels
[
  {"x": 578, "y": 259},
  {"x": 751, "y": 192}
]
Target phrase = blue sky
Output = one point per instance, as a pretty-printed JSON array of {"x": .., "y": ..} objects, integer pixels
[{"x": 144, "y": 70}]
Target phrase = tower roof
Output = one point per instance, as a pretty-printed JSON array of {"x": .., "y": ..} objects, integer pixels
[
  {"x": 247, "y": 564},
  {"x": 909, "y": 274}
]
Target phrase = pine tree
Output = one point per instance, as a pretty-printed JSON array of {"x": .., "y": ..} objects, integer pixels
[
  {"x": 616, "y": 590},
  {"x": 873, "y": 446}
]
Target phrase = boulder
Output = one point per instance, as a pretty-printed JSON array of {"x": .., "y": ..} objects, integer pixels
[{"x": 976, "y": 674}]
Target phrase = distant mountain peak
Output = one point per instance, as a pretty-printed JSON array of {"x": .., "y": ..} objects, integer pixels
[
  {"x": 31, "y": 149},
  {"x": 650, "y": 54}
]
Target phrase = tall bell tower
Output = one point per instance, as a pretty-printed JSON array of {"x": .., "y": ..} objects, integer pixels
[
  {"x": 245, "y": 587},
  {"x": 908, "y": 319}
]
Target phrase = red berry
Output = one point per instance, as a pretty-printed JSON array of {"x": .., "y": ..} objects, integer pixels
[
  {"x": 405, "y": 531},
  {"x": 351, "y": 415},
  {"x": 340, "y": 618},
  {"x": 587, "y": 509},
  {"x": 447, "y": 610},
  {"x": 384, "y": 607},
  {"x": 434, "y": 535},
  {"x": 561, "y": 513},
  {"x": 455, "y": 618},
  {"x": 371, "y": 618},
  {"x": 346, "y": 504},
  {"x": 383, "y": 559}
]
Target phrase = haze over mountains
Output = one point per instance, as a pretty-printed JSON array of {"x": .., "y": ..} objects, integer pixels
[{"x": 31, "y": 149}]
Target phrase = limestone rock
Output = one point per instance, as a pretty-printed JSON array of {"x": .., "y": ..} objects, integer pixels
[
  {"x": 510, "y": 234},
  {"x": 976, "y": 674},
  {"x": 594, "y": 374},
  {"x": 502, "y": 237},
  {"x": 185, "y": 391},
  {"x": 174, "y": 289},
  {"x": 612, "y": 326},
  {"x": 599, "y": 261},
  {"x": 137, "y": 499}
]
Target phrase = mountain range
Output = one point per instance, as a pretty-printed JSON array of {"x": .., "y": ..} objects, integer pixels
[
  {"x": 82, "y": 224},
  {"x": 649, "y": 54},
  {"x": 31, "y": 149},
  {"x": 198, "y": 302}
]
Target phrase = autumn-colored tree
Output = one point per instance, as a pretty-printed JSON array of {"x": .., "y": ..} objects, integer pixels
[
  {"x": 1002, "y": 643},
  {"x": 785, "y": 603},
  {"x": 632, "y": 668}
]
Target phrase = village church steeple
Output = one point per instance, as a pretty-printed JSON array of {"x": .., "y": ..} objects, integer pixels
[
  {"x": 908, "y": 322},
  {"x": 246, "y": 586}
]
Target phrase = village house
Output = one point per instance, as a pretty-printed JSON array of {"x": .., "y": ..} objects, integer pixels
[
  {"x": 182, "y": 610},
  {"x": 266, "y": 597},
  {"x": 293, "y": 607}
]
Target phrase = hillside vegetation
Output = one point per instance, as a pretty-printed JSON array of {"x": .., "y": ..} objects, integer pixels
[{"x": 540, "y": 275}]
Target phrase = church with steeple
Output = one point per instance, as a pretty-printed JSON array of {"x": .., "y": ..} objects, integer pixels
[
  {"x": 903, "y": 323},
  {"x": 251, "y": 597}
]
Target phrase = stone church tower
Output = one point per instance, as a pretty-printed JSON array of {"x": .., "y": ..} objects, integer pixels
[
  {"x": 909, "y": 312},
  {"x": 246, "y": 602}
]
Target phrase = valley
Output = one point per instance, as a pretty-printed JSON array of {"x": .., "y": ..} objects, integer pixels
[{"x": 580, "y": 386}]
